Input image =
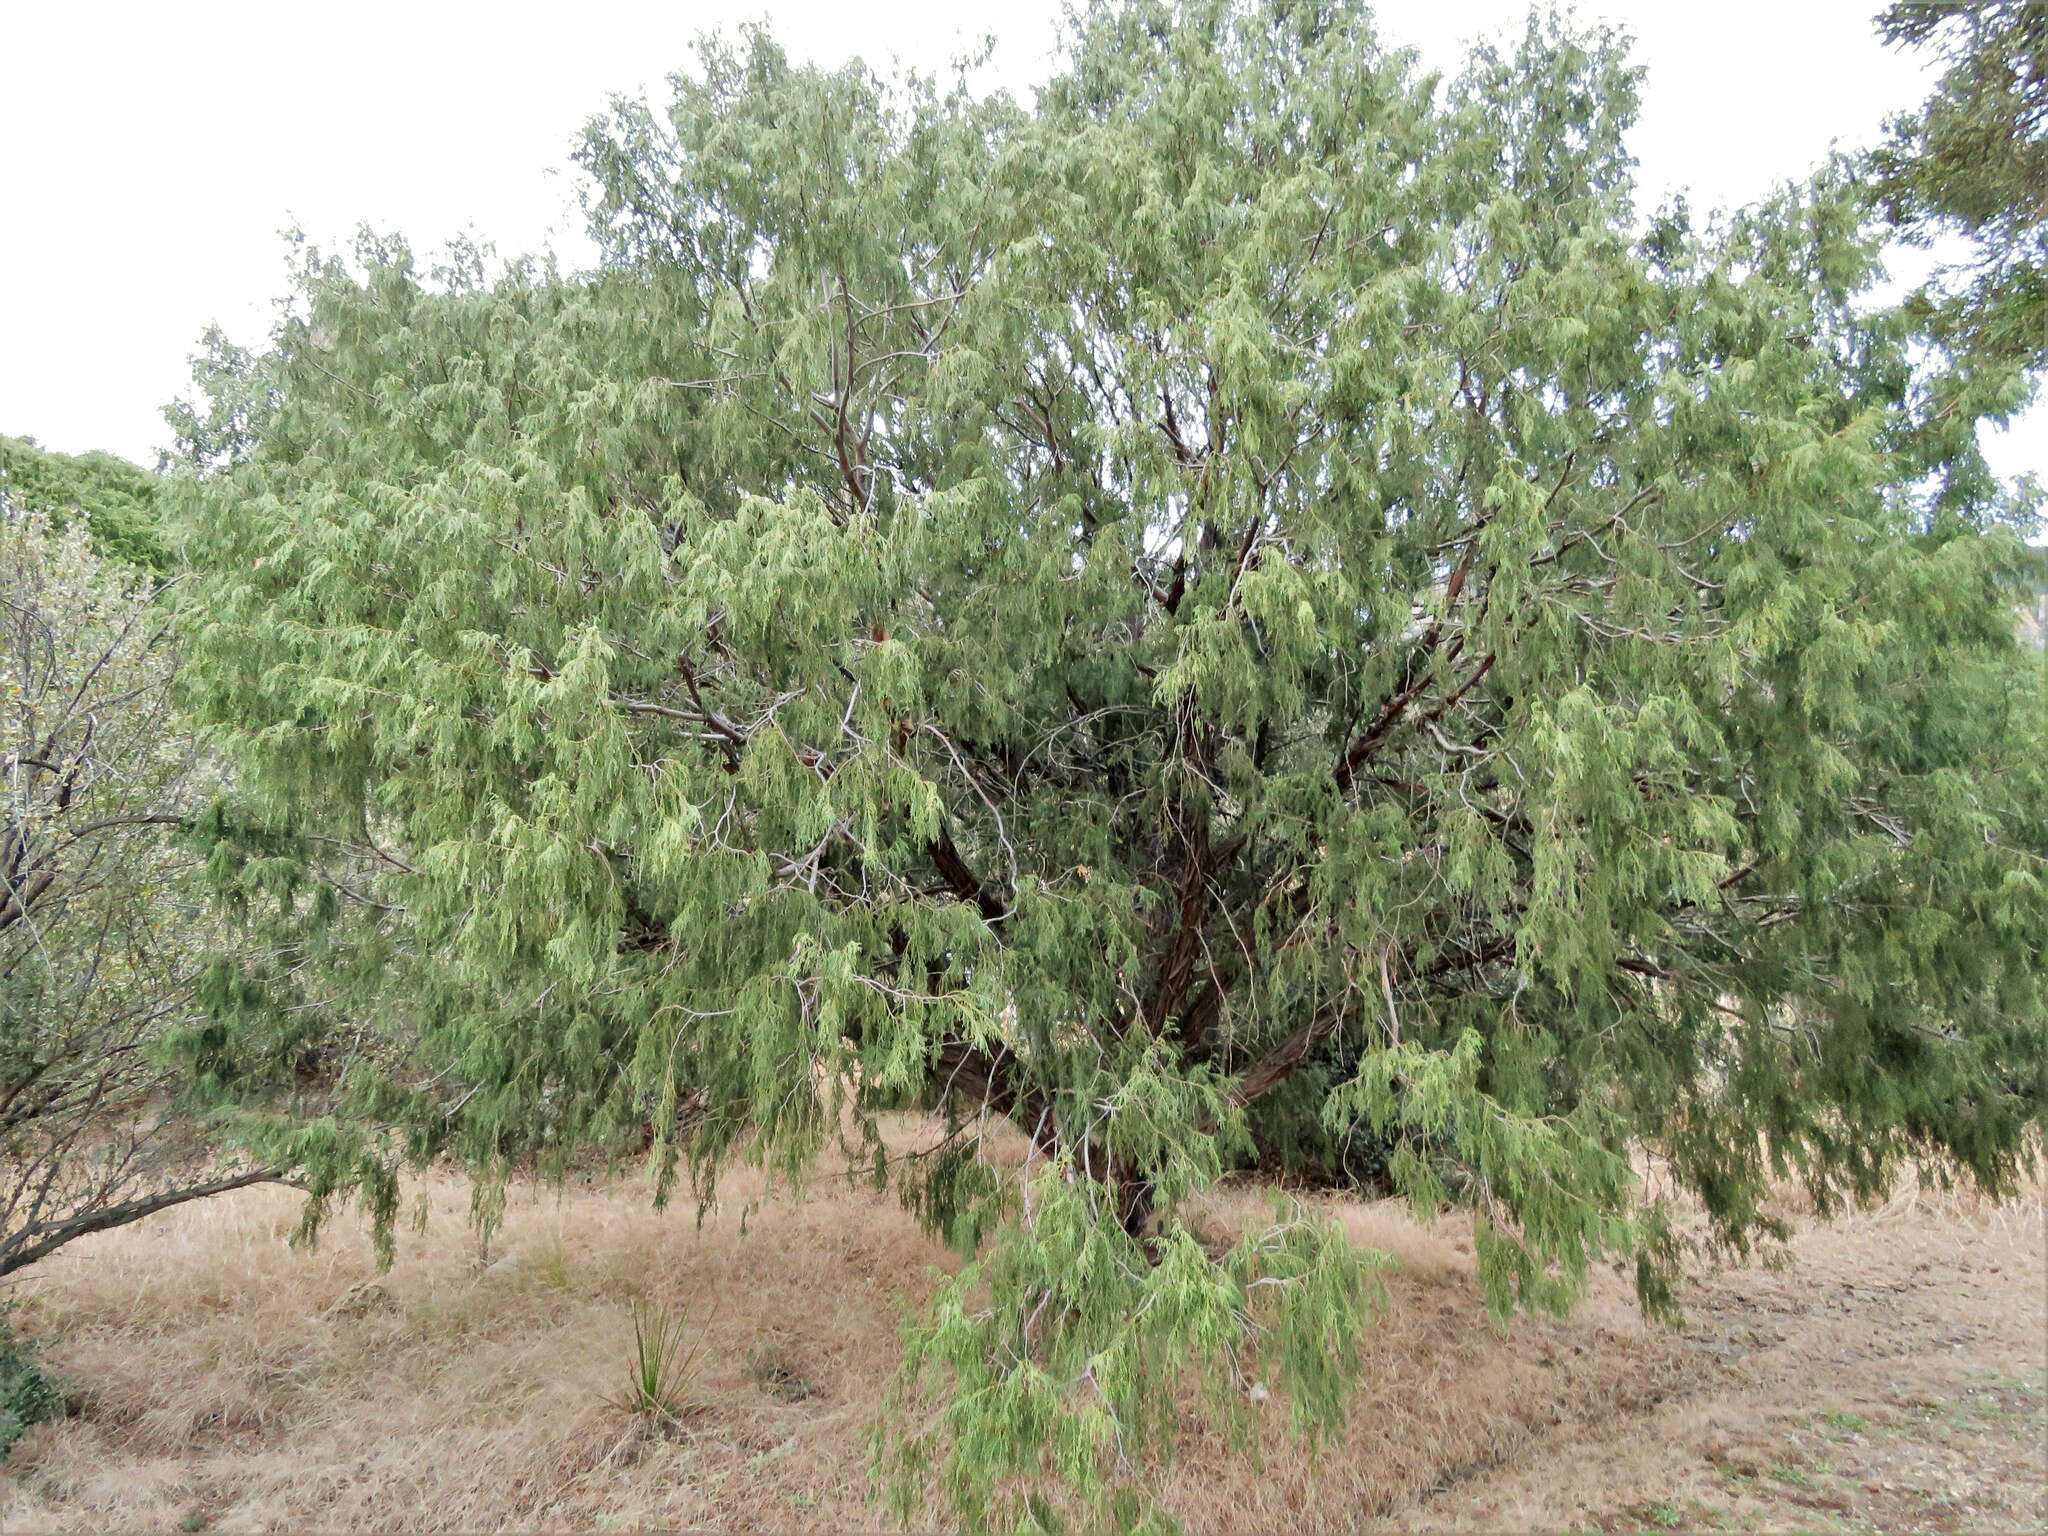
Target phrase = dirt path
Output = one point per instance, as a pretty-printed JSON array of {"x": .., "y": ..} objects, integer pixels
[{"x": 1894, "y": 1379}]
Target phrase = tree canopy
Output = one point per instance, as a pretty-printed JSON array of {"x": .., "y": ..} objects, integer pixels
[
  {"x": 1255, "y": 600},
  {"x": 1973, "y": 161},
  {"x": 116, "y": 499}
]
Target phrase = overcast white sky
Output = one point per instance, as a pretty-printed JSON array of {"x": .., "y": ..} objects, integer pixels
[{"x": 149, "y": 153}]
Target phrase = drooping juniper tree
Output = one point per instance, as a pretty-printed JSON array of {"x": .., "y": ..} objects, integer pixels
[{"x": 1254, "y": 598}]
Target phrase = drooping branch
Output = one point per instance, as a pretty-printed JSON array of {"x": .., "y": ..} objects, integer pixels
[{"x": 27, "y": 1246}]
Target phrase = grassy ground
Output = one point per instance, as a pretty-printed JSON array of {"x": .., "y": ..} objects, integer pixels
[{"x": 1892, "y": 1380}]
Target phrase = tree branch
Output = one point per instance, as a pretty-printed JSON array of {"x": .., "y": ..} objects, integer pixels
[{"x": 19, "y": 1254}]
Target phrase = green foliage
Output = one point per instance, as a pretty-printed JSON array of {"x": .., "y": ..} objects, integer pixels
[
  {"x": 234, "y": 396},
  {"x": 1974, "y": 161},
  {"x": 1261, "y": 574},
  {"x": 27, "y": 1394},
  {"x": 1080, "y": 1385},
  {"x": 118, "y": 499},
  {"x": 1548, "y": 1190}
]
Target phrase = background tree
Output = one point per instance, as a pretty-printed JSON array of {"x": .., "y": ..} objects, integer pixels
[
  {"x": 1255, "y": 598},
  {"x": 103, "y": 924},
  {"x": 115, "y": 499}
]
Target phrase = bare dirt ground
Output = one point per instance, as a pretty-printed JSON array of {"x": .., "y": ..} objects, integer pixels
[{"x": 1891, "y": 1380}]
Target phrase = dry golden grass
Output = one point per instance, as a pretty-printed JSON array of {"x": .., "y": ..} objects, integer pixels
[{"x": 253, "y": 1386}]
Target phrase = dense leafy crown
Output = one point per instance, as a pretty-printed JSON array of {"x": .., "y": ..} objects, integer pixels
[
  {"x": 117, "y": 499},
  {"x": 1254, "y": 602}
]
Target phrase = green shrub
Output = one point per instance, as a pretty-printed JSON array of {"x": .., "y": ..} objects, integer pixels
[{"x": 27, "y": 1394}]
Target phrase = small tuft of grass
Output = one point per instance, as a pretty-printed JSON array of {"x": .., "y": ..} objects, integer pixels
[
  {"x": 552, "y": 1269},
  {"x": 774, "y": 1374},
  {"x": 667, "y": 1359}
]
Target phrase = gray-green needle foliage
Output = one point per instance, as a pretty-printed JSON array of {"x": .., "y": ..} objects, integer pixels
[{"x": 1256, "y": 599}]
